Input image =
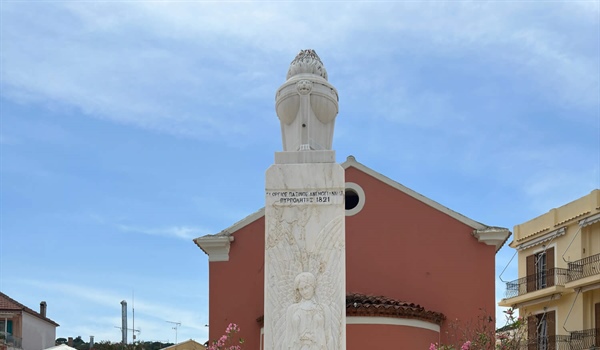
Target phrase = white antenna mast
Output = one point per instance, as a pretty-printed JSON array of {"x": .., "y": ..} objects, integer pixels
[
  {"x": 175, "y": 326},
  {"x": 133, "y": 316},
  {"x": 133, "y": 330}
]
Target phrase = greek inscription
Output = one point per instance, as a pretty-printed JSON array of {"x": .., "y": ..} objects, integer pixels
[{"x": 305, "y": 197}]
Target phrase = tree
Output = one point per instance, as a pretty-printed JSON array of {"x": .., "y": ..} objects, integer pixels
[
  {"x": 107, "y": 345},
  {"x": 482, "y": 334}
]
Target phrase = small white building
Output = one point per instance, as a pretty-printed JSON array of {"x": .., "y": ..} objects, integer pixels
[
  {"x": 61, "y": 347},
  {"x": 24, "y": 328}
]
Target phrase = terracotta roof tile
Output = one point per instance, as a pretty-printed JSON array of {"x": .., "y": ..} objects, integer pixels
[
  {"x": 374, "y": 306},
  {"x": 368, "y": 305},
  {"x": 572, "y": 218},
  {"x": 9, "y": 304}
]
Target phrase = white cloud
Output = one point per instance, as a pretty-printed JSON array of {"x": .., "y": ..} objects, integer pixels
[
  {"x": 182, "y": 232},
  {"x": 171, "y": 67},
  {"x": 150, "y": 315},
  {"x": 97, "y": 296}
]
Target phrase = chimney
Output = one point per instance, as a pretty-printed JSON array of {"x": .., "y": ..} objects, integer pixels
[
  {"x": 124, "y": 321},
  {"x": 91, "y": 342},
  {"x": 43, "y": 309},
  {"x": 70, "y": 342}
]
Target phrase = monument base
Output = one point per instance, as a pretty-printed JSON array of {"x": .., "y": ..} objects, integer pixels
[{"x": 305, "y": 278}]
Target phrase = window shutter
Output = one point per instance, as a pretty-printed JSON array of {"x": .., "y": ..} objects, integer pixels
[
  {"x": 531, "y": 331},
  {"x": 530, "y": 273},
  {"x": 550, "y": 273},
  {"x": 551, "y": 322}
]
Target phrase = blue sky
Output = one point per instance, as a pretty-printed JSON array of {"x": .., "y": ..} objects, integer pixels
[{"x": 130, "y": 127}]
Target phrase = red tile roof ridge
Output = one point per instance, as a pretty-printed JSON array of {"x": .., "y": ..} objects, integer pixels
[
  {"x": 377, "y": 305},
  {"x": 9, "y": 304}
]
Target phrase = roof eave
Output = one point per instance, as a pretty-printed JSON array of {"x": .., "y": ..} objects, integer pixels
[
  {"x": 351, "y": 162},
  {"x": 495, "y": 236}
]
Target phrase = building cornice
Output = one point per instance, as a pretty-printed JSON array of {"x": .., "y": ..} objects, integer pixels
[
  {"x": 244, "y": 222},
  {"x": 215, "y": 246},
  {"x": 584, "y": 210},
  {"x": 495, "y": 236}
]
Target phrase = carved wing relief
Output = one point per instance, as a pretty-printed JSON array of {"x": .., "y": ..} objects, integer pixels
[{"x": 324, "y": 258}]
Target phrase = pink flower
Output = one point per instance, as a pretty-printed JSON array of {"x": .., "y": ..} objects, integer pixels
[
  {"x": 432, "y": 347},
  {"x": 466, "y": 345},
  {"x": 224, "y": 343},
  {"x": 232, "y": 328}
]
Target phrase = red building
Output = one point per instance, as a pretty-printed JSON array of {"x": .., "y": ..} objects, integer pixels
[{"x": 413, "y": 267}]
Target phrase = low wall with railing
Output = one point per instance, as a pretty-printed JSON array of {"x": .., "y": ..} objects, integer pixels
[
  {"x": 555, "y": 342},
  {"x": 530, "y": 283},
  {"x": 584, "y": 268},
  {"x": 585, "y": 339}
]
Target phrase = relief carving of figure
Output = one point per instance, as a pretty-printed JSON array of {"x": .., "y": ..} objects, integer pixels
[
  {"x": 305, "y": 320},
  {"x": 305, "y": 289}
]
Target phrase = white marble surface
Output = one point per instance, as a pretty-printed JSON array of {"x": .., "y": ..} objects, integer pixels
[
  {"x": 307, "y": 105},
  {"x": 299, "y": 157},
  {"x": 305, "y": 257}
]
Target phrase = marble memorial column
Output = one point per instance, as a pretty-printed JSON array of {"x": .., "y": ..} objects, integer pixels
[{"x": 305, "y": 278}]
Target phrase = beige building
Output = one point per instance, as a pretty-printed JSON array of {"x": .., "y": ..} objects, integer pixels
[
  {"x": 558, "y": 289},
  {"x": 186, "y": 345}
]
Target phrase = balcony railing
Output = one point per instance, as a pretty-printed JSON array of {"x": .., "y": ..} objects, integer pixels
[
  {"x": 579, "y": 340},
  {"x": 585, "y": 267},
  {"x": 585, "y": 339},
  {"x": 555, "y": 342},
  {"x": 537, "y": 281},
  {"x": 10, "y": 340}
]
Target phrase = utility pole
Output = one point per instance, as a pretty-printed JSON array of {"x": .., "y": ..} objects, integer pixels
[{"x": 175, "y": 326}]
